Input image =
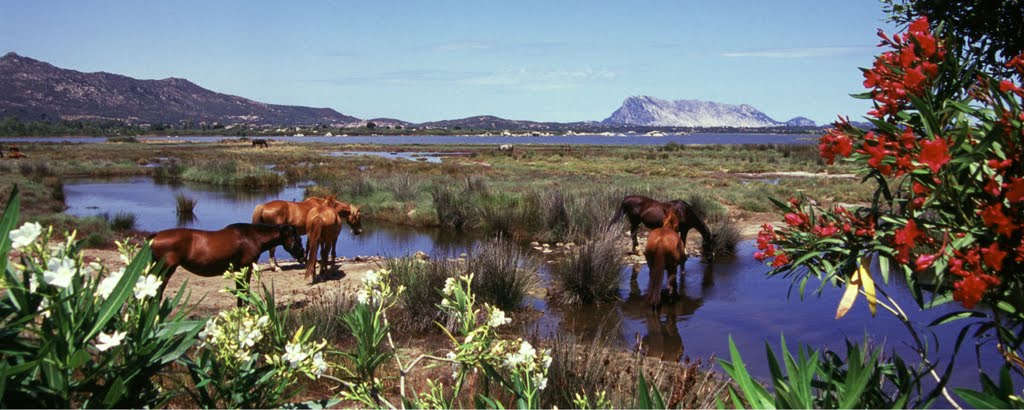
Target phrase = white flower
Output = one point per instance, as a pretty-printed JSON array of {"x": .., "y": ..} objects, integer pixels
[
  {"x": 59, "y": 272},
  {"x": 210, "y": 331},
  {"x": 248, "y": 337},
  {"x": 262, "y": 321},
  {"x": 25, "y": 235},
  {"x": 540, "y": 381},
  {"x": 525, "y": 355},
  {"x": 497, "y": 318},
  {"x": 319, "y": 364},
  {"x": 147, "y": 286},
  {"x": 33, "y": 283},
  {"x": 370, "y": 279},
  {"x": 108, "y": 284},
  {"x": 294, "y": 354},
  {"x": 105, "y": 341},
  {"x": 527, "y": 351},
  {"x": 44, "y": 307},
  {"x": 363, "y": 296},
  {"x": 449, "y": 286},
  {"x": 546, "y": 359}
]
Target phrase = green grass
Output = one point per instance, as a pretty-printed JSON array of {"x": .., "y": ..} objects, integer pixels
[
  {"x": 504, "y": 273},
  {"x": 591, "y": 272}
]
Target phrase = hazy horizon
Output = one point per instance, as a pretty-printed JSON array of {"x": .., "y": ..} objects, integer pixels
[{"x": 418, "y": 62}]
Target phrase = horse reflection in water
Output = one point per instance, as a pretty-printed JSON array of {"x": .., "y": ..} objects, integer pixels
[{"x": 663, "y": 339}]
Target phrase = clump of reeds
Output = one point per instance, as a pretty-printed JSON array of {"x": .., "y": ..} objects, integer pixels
[
  {"x": 455, "y": 210},
  {"x": 423, "y": 280},
  {"x": 590, "y": 274},
  {"x": 504, "y": 273},
  {"x": 123, "y": 221},
  {"x": 403, "y": 186},
  {"x": 184, "y": 203},
  {"x": 232, "y": 173},
  {"x": 323, "y": 313}
]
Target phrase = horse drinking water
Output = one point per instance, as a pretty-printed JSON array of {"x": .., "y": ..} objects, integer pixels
[
  {"x": 295, "y": 213},
  {"x": 664, "y": 254},
  {"x": 211, "y": 253},
  {"x": 640, "y": 209}
]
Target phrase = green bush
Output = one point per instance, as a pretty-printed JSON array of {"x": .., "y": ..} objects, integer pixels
[
  {"x": 504, "y": 272},
  {"x": 591, "y": 273}
]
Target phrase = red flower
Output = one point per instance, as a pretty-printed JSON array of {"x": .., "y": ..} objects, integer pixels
[
  {"x": 795, "y": 219},
  {"x": 993, "y": 256},
  {"x": 919, "y": 26},
  {"x": 914, "y": 79},
  {"x": 904, "y": 239},
  {"x": 934, "y": 153},
  {"x": 924, "y": 262},
  {"x": 993, "y": 216},
  {"x": 926, "y": 43},
  {"x": 969, "y": 290},
  {"x": 1015, "y": 193},
  {"x": 780, "y": 260}
]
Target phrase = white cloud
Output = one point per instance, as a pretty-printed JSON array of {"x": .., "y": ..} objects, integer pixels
[{"x": 804, "y": 52}]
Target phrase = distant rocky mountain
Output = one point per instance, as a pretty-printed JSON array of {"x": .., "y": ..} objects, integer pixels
[
  {"x": 33, "y": 90},
  {"x": 651, "y": 111}
]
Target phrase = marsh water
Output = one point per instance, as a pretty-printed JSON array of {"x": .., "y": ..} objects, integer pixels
[{"x": 730, "y": 297}]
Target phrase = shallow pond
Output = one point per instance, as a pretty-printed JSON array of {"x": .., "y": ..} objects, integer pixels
[
  {"x": 728, "y": 297},
  {"x": 432, "y": 157}
]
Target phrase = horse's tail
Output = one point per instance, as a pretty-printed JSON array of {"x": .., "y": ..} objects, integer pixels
[
  {"x": 656, "y": 264},
  {"x": 617, "y": 217},
  {"x": 257, "y": 214},
  {"x": 315, "y": 229}
]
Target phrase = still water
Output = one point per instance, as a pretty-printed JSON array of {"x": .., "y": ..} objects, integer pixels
[
  {"x": 731, "y": 296},
  {"x": 695, "y": 138}
]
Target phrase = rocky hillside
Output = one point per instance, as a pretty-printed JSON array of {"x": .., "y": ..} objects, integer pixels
[
  {"x": 34, "y": 90},
  {"x": 651, "y": 111}
]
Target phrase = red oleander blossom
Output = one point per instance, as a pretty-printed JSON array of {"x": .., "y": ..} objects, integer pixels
[
  {"x": 1015, "y": 191},
  {"x": 969, "y": 290},
  {"x": 934, "y": 154},
  {"x": 993, "y": 256},
  {"x": 904, "y": 240},
  {"x": 994, "y": 217},
  {"x": 924, "y": 262}
]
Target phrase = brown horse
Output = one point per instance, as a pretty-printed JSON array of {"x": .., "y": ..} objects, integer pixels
[
  {"x": 665, "y": 254},
  {"x": 211, "y": 253},
  {"x": 294, "y": 214},
  {"x": 259, "y": 142},
  {"x": 640, "y": 209},
  {"x": 323, "y": 226}
]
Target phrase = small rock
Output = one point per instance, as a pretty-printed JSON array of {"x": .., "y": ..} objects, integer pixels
[
  {"x": 559, "y": 245},
  {"x": 421, "y": 256},
  {"x": 547, "y": 245},
  {"x": 547, "y": 250},
  {"x": 538, "y": 248},
  {"x": 534, "y": 243},
  {"x": 463, "y": 255}
]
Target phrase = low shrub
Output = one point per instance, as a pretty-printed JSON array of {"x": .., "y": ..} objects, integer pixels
[
  {"x": 590, "y": 274},
  {"x": 455, "y": 210},
  {"x": 504, "y": 272},
  {"x": 123, "y": 221},
  {"x": 423, "y": 281},
  {"x": 184, "y": 204}
]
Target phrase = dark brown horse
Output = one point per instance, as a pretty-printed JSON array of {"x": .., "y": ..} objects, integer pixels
[
  {"x": 665, "y": 254},
  {"x": 323, "y": 226},
  {"x": 211, "y": 253},
  {"x": 294, "y": 214},
  {"x": 259, "y": 142},
  {"x": 640, "y": 209}
]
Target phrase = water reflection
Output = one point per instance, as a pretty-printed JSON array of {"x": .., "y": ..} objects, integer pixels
[{"x": 662, "y": 338}]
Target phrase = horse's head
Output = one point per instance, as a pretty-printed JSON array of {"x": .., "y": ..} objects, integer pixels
[
  {"x": 708, "y": 247},
  {"x": 292, "y": 243},
  {"x": 672, "y": 218},
  {"x": 354, "y": 220}
]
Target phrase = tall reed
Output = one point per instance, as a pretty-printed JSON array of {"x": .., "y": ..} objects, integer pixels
[
  {"x": 185, "y": 203},
  {"x": 590, "y": 274},
  {"x": 505, "y": 272}
]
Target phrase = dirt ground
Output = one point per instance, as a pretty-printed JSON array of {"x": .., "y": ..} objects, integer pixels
[{"x": 290, "y": 286}]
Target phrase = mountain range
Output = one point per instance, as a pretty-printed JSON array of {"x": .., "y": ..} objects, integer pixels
[{"x": 35, "y": 90}]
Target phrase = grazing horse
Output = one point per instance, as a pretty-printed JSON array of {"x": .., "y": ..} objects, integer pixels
[
  {"x": 665, "y": 254},
  {"x": 259, "y": 142},
  {"x": 211, "y": 253},
  {"x": 294, "y": 214},
  {"x": 323, "y": 226},
  {"x": 641, "y": 209}
]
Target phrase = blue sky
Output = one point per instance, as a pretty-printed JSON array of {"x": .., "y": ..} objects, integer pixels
[{"x": 430, "y": 60}]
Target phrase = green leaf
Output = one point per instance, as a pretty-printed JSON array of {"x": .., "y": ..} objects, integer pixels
[
  {"x": 980, "y": 400},
  {"x": 114, "y": 393},
  {"x": 953, "y": 316},
  {"x": 7, "y": 222},
  {"x": 121, "y": 292},
  {"x": 643, "y": 398}
]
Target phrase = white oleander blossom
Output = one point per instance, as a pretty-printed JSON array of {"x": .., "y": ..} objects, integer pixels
[
  {"x": 147, "y": 286},
  {"x": 25, "y": 235},
  {"x": 539, "y": 380},
  {"x": 107, "y": 285},
  {"x": 449, "y": 286},
  {"x": 59, "y": 272},
  {"x": 497, "y": 317},
  {"x": 525, "y": 356},
  {"x": 294, "y": 354},
  {"x": 105, "y": 342},
  {"x": 319, "y": 364}
]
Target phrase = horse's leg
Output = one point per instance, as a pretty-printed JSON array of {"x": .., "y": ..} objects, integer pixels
[
  {"x": 324, "y": 253},
  {"x": 273, "y": 260},
  {"x": 682, "y": 237},
  {"x": 633, "y": 229}
]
